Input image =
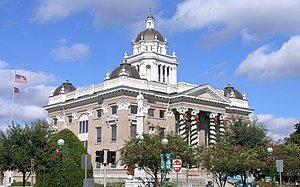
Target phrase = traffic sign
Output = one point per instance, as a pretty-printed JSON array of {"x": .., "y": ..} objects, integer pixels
[
  {"x": 177, "y": 165},
  {"x": 279, "y": 165}
]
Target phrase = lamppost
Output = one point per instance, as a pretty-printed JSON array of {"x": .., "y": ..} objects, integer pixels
[
  {"x": 165, "y": 161},
  {"x": 60, "y": 143},
  {"x": 270, "y": 151}
]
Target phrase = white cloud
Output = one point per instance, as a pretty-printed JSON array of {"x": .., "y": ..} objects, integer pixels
[
  {"x": 28, "y": 103},
  {"x": 103, "y": 11},
  {"x": 3, "y": 64},
  {"x": 278, "y": 128},
  {"x": 266, "y": 64},
  {"x": 69, "y": 53},
  {"x": 224, "y": 19}
]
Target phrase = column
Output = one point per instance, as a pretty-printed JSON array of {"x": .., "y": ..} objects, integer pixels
[
  {"x": 212, "y": 128},
  {"x": 161, "y": 74},
  {"x": 194, "y": 128},
  {"x": 222, "y": 127},
  {"x": 165, "y": 74},
  {"x": 182, "y": 123}
]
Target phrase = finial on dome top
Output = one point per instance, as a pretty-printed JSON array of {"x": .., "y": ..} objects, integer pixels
[
  {"x": 245, "y": 97},
  {"x": 150, "y": 21}
]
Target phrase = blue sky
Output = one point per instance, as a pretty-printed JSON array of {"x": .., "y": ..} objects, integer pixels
[{"x": 254, "y": 45}]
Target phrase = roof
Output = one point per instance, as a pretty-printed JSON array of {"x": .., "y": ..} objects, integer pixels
[
  {"x": 125, "y": 69},
  {"x": 68, "y": 87},
  {"x": 149, "y": 34},
  {"x": 229, "y": 88}
]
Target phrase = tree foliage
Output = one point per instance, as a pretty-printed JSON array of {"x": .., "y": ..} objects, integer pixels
[
  {"x": 237, "y": 151},
  {"x": 20, "y": 144},
  {"x": 246, "y": 133},
  {"x": 224, "y": 159},
  {"x": 295, "y": 136},
  {"x": 71, "y": 173},
  {"x": 290, "y": 154},
  {"x": 145, "y": 153}
]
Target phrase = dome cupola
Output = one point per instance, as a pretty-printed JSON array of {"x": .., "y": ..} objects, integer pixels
[
  {"x": 64, "y": 88},
  {"x": 125, "y": 69}
]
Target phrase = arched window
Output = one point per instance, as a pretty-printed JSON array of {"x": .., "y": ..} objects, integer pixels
[{"x": 83, "y": 124}]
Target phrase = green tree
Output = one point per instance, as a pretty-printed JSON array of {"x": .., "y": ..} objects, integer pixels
[
  {"x": 72, "y": 174},
  {"x": 246, "y": 133},
  {"x": 20, "y": 144},
  {"x": 224, "y": 159},
  {"x": 290, "y": 154},
  {"x": 250, "y": 136},
  {"x": 295, "y": 136},
  {"x": 145, "y": 153}
]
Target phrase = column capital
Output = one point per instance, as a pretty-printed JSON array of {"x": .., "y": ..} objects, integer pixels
[
  {"x": 182, "y": 110},
  {"x": 212, "y": 115}
]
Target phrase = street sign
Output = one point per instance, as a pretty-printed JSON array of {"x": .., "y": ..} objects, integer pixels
[
  {"x": 168, "y": 161},
  {"x": 162, "y": 162},
  {"x": 177, "y": 165},
  {"x": 279, "y": 165}
]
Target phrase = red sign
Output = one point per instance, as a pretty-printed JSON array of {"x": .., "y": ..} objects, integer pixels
[{"x": 177, "y": 165}]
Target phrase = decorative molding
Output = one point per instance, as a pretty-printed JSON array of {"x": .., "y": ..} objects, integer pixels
[
  {"x": 74, "y": 115},
  {"x": 60, "y": 118},
  {"x": 90, "y": 112},
  {"x": 104, "y": 108},
  {"x": 123, "y": 105}
]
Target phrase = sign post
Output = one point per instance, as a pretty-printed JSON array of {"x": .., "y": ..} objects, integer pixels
[
  {"x": 279, "y": 167},
  {"x": 177, "y": 165}
]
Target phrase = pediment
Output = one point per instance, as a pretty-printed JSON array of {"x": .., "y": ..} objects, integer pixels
[{"x": 207, "y": 92}]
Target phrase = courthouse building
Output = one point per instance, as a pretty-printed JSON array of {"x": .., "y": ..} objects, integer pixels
[{"x": 139, "y": 95}]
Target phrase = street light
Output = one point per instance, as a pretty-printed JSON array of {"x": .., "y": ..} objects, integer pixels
[
  {"x": 165, "y": 161},
  {"x": 270, "y": 151},
  {"x": 60, "y": 143}
]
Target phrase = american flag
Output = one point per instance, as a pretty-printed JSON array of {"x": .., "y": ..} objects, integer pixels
[
  {"x": 16, "y": 90},
  {"x": 20, "y": 79}
]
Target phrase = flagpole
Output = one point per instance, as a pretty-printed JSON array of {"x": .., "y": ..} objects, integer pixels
[{"x": 12, "y": 100}]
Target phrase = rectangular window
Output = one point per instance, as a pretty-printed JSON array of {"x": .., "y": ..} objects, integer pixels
[
  {"x": 113, "y": 133},
  {"x": 151, "y": 112},
  {"x": 133, "y": 109},
  {"x": 70, "y": 119},
  {"x": 133, "y": 129},
  {"x": 161, "y": 113},
  {"x": 114, "y": 109},
  {"x": 99, "y": 113},
  {"x": 98, "y": 131},
  {"x": 83, "y": 126},
  {"x": 55, "y": 121},
  {"x": 111, "y": 157}
]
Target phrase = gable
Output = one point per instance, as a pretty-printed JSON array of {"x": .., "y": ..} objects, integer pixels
[{"x": 206, "y": 92}]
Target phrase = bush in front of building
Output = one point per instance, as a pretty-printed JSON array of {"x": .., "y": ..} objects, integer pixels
[
  {"x": 69, "y": 172},
  {"x": 20, "y": 184}
]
